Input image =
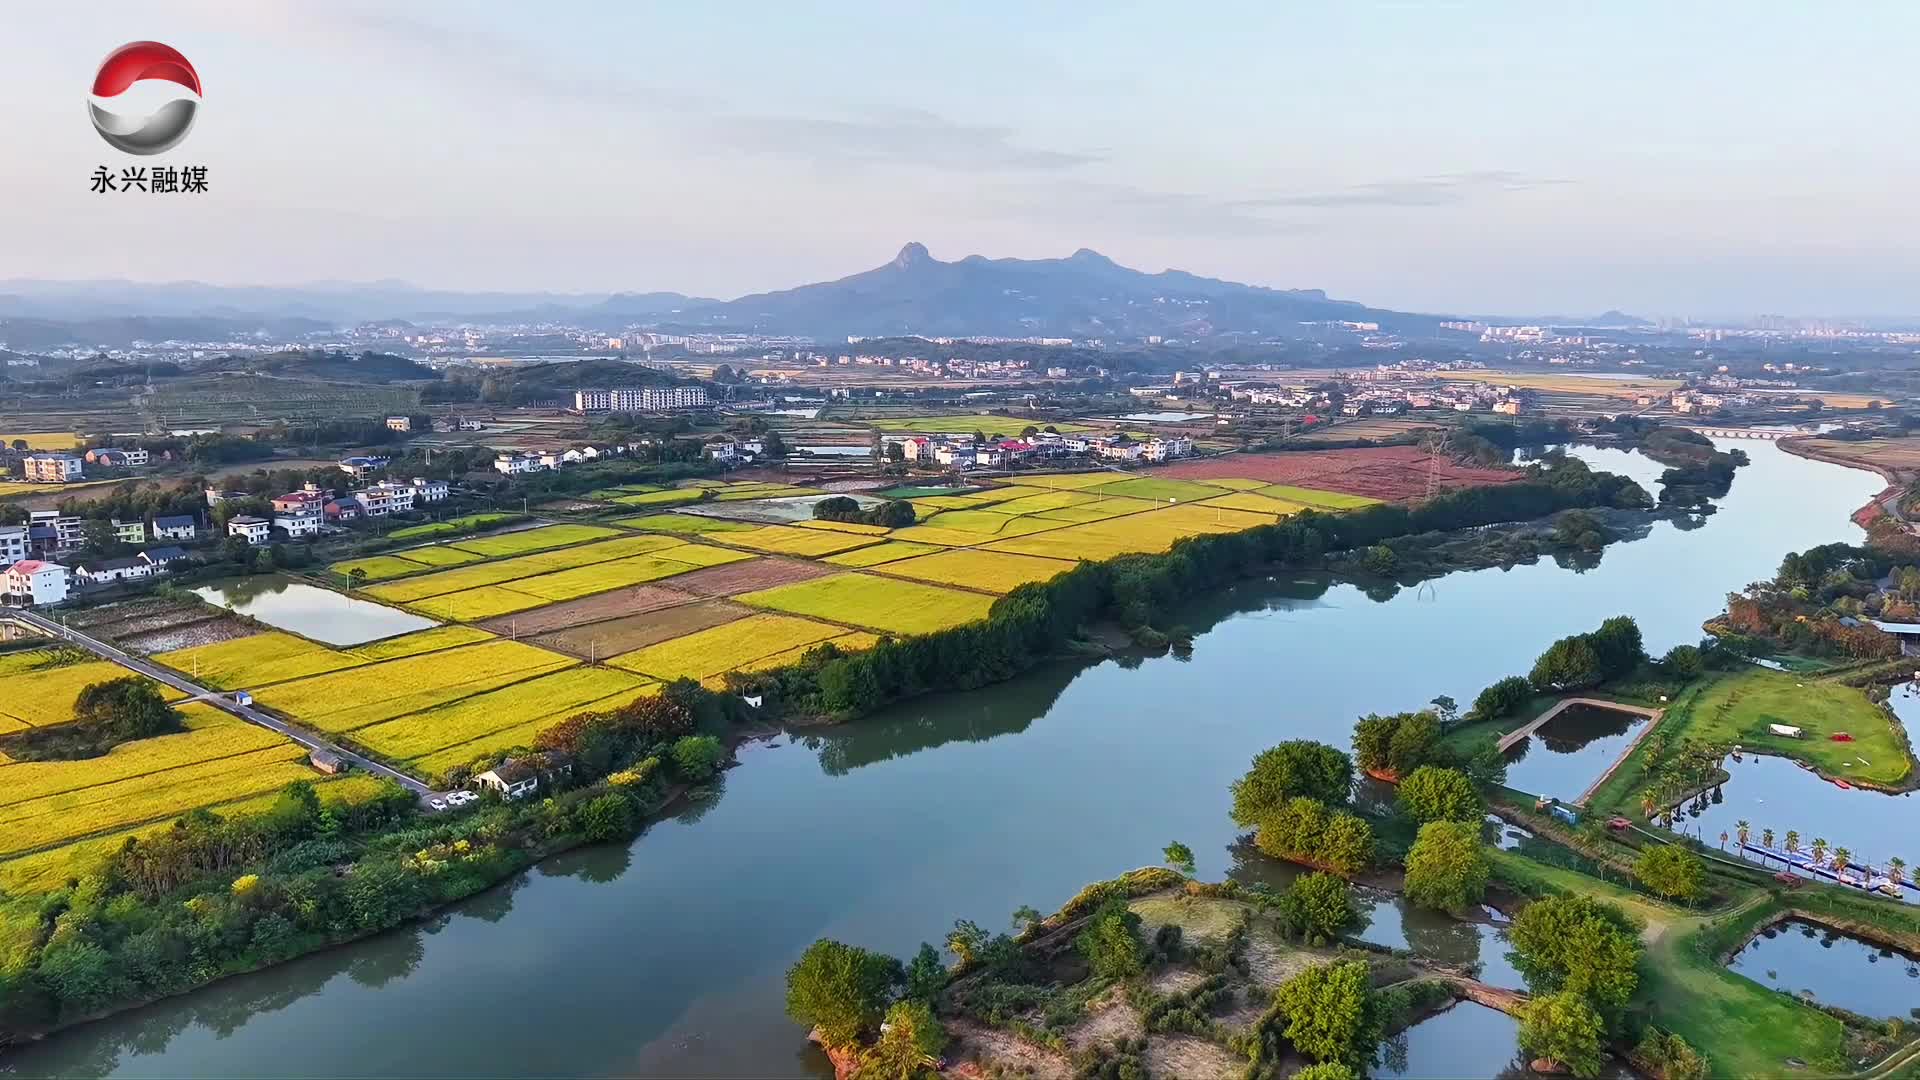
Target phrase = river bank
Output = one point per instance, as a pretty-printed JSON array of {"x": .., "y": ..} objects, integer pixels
[{"x": 934, "y": 806}]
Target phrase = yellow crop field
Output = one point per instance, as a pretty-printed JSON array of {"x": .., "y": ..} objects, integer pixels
[
  {"x": 526, "y": 541},
  {"x": 43, "y": 440},
  {"x": 998, "y": 427},
  {"x": 703, "y": 555},
  {"x": 44, "y": 697},
  {"x": 1149, "y": 533},
  {"x": 43, "y": 871},
  {"x": 741, "y": 494},
  {"x": 440, "y": 555},
  {"x": 1101, "y": 510},
  {"x": 472, "y": 605},
  {"x": 260, "y": 660},
  {"x": 661, "y": 498},
  {"x": 846, "y": 527},
  {"x": 988, "y": 523},
  {"x": 1325, "y": 500},
  {"x": 726, "y": 647},
  {"x": 420, "y": 641},
  {"x": 854, "y": 642},
  {"x": 877, "y": 603},
  {"x": 377, "y": 567},
  {"x": 992, "y": 571},
  {"x": 788, "y": 540},
  {"x": 1068, "y": 481},
  {"x": 493, "y": 573},
  {"x": 587, "y": 580},
  {"x": 934, "y": 534},
  {"x": 1045, "y": 500},
  {"x": 684, "y": 523},
  {"x": 521, "y": 734},
  {"x": 1256, "y": 502},
  {"x": 347, "y": 700},
  {"x": 881, "y": 553},
  {"x": 550, "y": 696},
  {"x": 210, "y": 735}
]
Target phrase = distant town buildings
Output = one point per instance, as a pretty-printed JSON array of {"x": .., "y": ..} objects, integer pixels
[{"x": 640, "y": 399}]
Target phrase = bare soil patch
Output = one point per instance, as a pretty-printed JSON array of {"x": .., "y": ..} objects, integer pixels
[
  {"x": 1395, "y": 473},
  {"x": 1192, "y": 1059},
  {"x": 609, "y": 605},
  {"x": 1176, "y": 980},
  {"x": 1272, "y": 961},
  {"x": 629, "y": 632},
  {"x": 1109, "y": 1020},
  {"x": 980, "y": 1051},
  {"x": 184, "y": 635},
  {"x": 741, "y": 577}
]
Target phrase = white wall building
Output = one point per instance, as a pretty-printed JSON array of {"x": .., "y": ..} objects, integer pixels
[
  {"x": 640, "y": 399},
  {"x": 257, "y": 531},
  {"x": 53, "y": 468},
  {"x": 298, "y": 523},
  {"x": 13, "y": 543},
  {"x": 32, "y": 581}
]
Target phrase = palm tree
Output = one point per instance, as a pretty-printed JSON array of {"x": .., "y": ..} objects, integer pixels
[
  {"x": 1841, "y": 857},
  {"x": 1793, "y": 842},
  {"x": 1896, "y": 870},
  {"x": 1648, "y": 802},
  {"x": 1819, "y": 850},
  {"x": 1723, "y": 839},
  {"x": 1740, "y": 829},
  {"x": 1766, "y": 838}
]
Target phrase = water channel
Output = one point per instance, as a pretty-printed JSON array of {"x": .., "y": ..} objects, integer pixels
[{"x": 666, "y": 956}]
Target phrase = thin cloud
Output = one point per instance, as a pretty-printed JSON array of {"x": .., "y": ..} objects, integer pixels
[
  {"x": 1082, "y": 202},
  {"x": 1445, "y": 189}
]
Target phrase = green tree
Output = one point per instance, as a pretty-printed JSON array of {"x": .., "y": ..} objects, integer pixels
[
  {"x": 840, "y": 989},
  {"x": 1326, "y": 1070},
  {"x": 1373, "y": 741},
  {"x": 126, "y": 708},
  {"x": 1319, "y": 906},
  {"x": 1347, "y": 844},
  {"x": 925, "y": 974},
  {"x": 1026, "y": 915},
  {"x": 1179, "y": 856},
  {"x": 1110, "y": 942},
  {"x": 1297, "y": 767},
  {"x": 1618, "y": 646},
  {"x": 1413, "y": 742},
  {"x": 697, "y": 757},
  {"x": 1294, "y": 830},
  {"x": 966, "y": 940},
  {"x": 1563, "y": 1029},
  {"x": 1671, "y": 871},
  {"x": 609, "y": 817},
  {"x": 1502, "y": 698},
  {"x": 1332, "y": 1013},
  {"x": 1447, "y": 868},
  {"x": 1432, "y": 793},
  {"x": 909, "y": 1047},
  {"x": 1580, "y": 944},
  {"x": 1568, "y": 664},
  {"x": 1684, "y": 662}
]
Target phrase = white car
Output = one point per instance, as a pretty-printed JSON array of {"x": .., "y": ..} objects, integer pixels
[
  {"x": 437, "y": 804},
  {"x": 460, "y": 798}
]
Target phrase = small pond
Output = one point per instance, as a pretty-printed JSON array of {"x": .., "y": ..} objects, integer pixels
[
  {"x": 1570, "y": 752},
  {"x": 310, "y": 611},
  {"x": 836, "y": 451},
  {"x": 1834, "y": 969},
  {"x": 1160, "y": 417}
]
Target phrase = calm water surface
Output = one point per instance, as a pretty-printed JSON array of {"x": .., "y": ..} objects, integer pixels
[
  {"x": 310, "y": 611},
  {"x": 1570, "y": 751},
  {"x": 666, "y": 956},
  {"x": 1834, "y": 969}
]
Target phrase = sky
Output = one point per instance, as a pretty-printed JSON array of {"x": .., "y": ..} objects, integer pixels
[{"x": 1703, "y": 159}]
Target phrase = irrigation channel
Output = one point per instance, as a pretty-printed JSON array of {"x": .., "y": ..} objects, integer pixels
[{"x": 666, "y": 956}]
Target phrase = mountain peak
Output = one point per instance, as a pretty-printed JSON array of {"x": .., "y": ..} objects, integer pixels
[
  {"x": 1088, "y": 255},
  {"x": 913, "y": 254}
]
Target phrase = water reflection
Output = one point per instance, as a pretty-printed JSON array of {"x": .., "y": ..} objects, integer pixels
[
  {"x": 1833, "y": 969},
  {"x": 1772, "y": 793},
  {"x": 311, "y": 611},
  {"x": 1575, "y": 747}
]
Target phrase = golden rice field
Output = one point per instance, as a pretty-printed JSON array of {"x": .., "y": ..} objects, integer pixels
[
  {"x": 853, "y": 642},
  {"x": 553, "y": 696},
  {"x": 791, "y": 540},
  {"x": 846, "y": 527},
  {"x": 43, "y": 440},
  {"x": 522, "y": 594},
  {"x": 255, "y": 661},
  {"x": 988, "y": 523},
  {"x": 40, "y": 698},
  {"x": 992, "y": 571},
  {"x": 1256, "y": 502},
  {"x": 211, "y": 735},
  {"x": 660, "y": 498},
  {"x": 349, "y": 700},
  {"x": 1324, "y": 500},
  {"x": 510, "y": 569},
  {"x": 692, "y": 524},
  {"x": 526, "y": 541},
  {"x": 1149, "y": 533},
  {"x": 881, "y": 553},
  {"x": 724, "y": 648},
  {"x": 420, "y": 641},
  {"x": 877, "y": 603}
]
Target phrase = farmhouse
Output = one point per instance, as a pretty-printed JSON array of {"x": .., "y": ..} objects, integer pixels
[
  {"x": 107, "y": 571},
  {"x": 34, "y": 581},
  {"x": 257, "y": 531},
  {"x": 516, "y": 778},
  {"x": 298, "y": 523},
  {"x": 360, "y": 467},
  {"x": 53, "y": 468}
]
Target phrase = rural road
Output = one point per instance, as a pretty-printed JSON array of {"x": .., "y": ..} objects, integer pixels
[{"x": 201, "y": 693}]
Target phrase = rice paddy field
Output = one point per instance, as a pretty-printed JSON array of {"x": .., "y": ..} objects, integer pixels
[
  {"x": 875, "y": 603},
  {"x": 727, "y": 648},
  {"x": 990, "y": 571}
]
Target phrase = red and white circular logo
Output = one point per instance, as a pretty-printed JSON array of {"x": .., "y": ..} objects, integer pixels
[{"x": 147, "y": 62}]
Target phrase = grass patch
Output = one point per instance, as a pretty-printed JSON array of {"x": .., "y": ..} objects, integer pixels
[
  {"x": 1260, "y": 504},
  {"x": 1325, "y": 500},
  {"x": 1148, "y": 533},
  {"x": 378, "y": 567},
  {"x": 877, "y": 603},
  {"x": 662, "y": 498},
  {"x": 451, "y": 527},
  {"x": 1737, "y": 708}
]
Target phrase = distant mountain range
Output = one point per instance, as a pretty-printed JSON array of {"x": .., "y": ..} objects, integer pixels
[{"x": 1083, "y": 295}]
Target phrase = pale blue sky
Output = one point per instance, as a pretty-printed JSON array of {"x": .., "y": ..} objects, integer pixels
[{"x": 1699, "y": 158}]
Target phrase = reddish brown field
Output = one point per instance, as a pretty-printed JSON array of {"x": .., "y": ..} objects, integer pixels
[
  {"x": 609, "y": 605},
  {"x": 1395, "y": 473},
  {"x": 629, "y": 632},
  {"x": 736, "y": 578}
]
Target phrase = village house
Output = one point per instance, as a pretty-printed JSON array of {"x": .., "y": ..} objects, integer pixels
[
  {"x": 34, "y": 582},
  {"x": 108, "y": 571},
  {"x": 299, "y": 523},
  {"x": 346, "y": 508},
  {"x": 399, "y": 423},
  {"x": 516, "y": 778},
  {"x": 361, "y": 467},
  {"x": 175, "y": 527},
  {"x": 517, "y": 464},
  {"x": 386, "y": 497},
  {"x": 53, "y": 468},
  {"x": 311, "y": 496},
  {"x": 129, "y": 532},
  {"x": 254, "y": 530},
  {"x": 114, "y": 458},
  {"x": 430, "y": 491},
  {"x": 50, "y": 531},
  {"x": 1167, "y": 449},
  {"x": 13, "y": 543},
  {"x": 161, "y": 557}
]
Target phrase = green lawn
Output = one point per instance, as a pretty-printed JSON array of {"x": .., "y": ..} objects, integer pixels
[{"x": 1737, "y": 707}]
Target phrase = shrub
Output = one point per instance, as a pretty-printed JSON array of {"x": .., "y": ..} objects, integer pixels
[
  {"x": 1447, "y": 868},
  {"x": 1436, "y": 794},
  {"x": 697, "y": 757},
  {"x": 1110, "y": 942},
  {"x": 1565, "y": 1030}
]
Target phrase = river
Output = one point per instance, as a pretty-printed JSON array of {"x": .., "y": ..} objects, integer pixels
[{"x": 666, "y": 956}]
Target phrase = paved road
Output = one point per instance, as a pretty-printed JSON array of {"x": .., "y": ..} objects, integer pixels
[{"x": 247, "y": 713}]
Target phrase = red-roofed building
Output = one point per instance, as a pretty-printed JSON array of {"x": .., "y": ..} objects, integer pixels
[{"x": 34, "y": 582}]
